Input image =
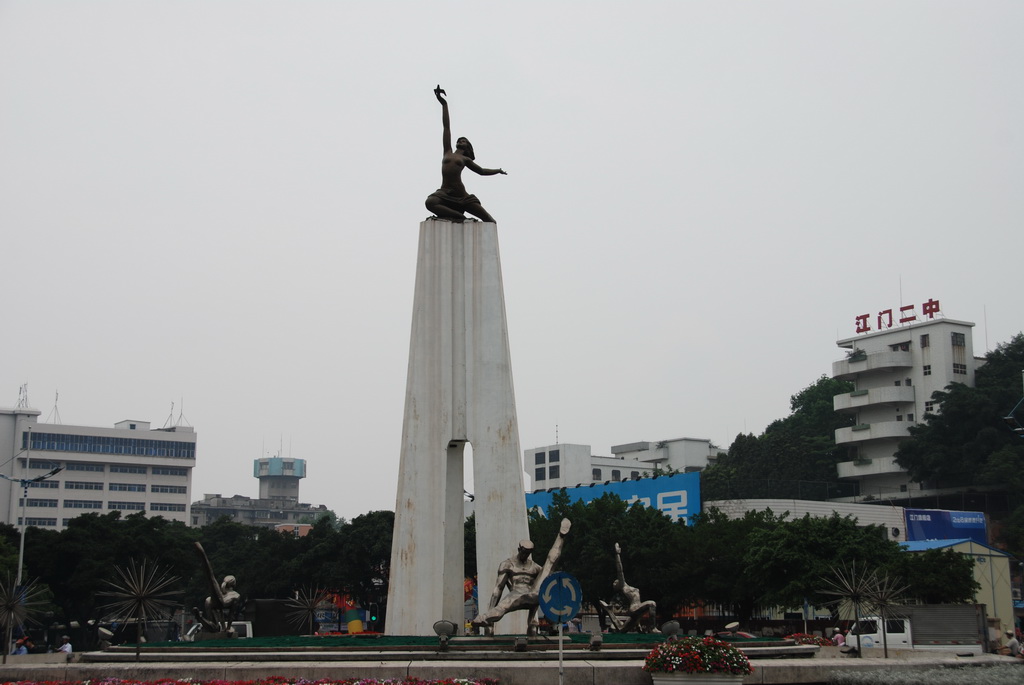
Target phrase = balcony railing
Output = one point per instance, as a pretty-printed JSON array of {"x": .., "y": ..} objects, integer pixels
[
  {"x": 875, "y": 362},
  {"x": 873, "y": 431},
  {"x": 890, "y": 394},
  {"x": 867, "y": 467}
]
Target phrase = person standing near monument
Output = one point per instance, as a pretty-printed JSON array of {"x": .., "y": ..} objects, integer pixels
[{"x": 451, "y": 201}]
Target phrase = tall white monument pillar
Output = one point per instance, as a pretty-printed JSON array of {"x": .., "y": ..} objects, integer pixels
[{"x": 459, "y": 390}]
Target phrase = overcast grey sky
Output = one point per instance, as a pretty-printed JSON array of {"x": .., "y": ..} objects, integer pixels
[{"x": 219, "y": 202}]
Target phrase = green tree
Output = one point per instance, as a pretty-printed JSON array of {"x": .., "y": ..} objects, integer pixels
[
  {"x": 967, "y": 442},
  {"x": 712, "y": 566},
  {"x": 261, "y": 559},
  {"x": 792, "y": 556},
  {"x": 319, "y": 560},
  {"x": 8, "y": 551},
  {"x": 937, "y": 576},
  {"x": 794, "y": 457},
  {"x": 366, "y": 557}
]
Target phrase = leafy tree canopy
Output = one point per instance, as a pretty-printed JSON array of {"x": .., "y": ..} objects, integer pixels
[
  {"x": 789, "y": 456},
  {"x": 937, "y": 576},
  {"x": 967, "y": 442}
]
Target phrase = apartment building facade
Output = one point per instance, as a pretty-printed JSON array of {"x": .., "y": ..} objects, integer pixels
[{"x": 895, "y": 370}]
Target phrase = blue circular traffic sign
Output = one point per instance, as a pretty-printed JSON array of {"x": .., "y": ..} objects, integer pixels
[{"x": 560, "y": 597}]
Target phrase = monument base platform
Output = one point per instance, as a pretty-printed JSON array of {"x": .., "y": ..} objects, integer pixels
[{"x": 580, "y": 666}]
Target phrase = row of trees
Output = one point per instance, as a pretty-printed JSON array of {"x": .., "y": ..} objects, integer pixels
[
  {"x": 760, "y": 560},
  {"x": 75, "y": 563}
]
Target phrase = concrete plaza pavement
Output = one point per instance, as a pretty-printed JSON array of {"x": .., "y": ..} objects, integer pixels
[{"x": 509, "y": 668}]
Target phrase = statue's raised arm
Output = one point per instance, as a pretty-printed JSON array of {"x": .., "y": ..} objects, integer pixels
[
  {"x": 451, "y": 201},
  {"x": 446, "y": 123}
]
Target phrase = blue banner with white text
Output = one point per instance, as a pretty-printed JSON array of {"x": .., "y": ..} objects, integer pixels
[
  {"x": 678, "y": 496},
  {"x": 940, "y": 524}
]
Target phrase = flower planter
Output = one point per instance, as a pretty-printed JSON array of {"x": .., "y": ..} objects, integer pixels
[
  {"x": 697, "y": 678},
  {"x": 699, "y": 660}
]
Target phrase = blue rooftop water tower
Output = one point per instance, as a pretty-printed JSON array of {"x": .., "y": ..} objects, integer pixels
[{"x": 279, "y": 477}]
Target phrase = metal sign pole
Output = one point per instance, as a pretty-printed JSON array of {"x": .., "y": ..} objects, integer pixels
[
  {"x": 560, "y": 599},
  {"x": 561, "y": 671}
]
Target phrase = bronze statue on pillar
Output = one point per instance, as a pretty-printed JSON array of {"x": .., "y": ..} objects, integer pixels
[{"x": 451, "y": 201}]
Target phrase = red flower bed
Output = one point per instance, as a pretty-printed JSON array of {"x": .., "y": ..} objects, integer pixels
[{"x": 272, "y": 680}]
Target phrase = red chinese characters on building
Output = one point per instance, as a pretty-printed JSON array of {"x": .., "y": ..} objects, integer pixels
[{"x": 886, "y": 317}]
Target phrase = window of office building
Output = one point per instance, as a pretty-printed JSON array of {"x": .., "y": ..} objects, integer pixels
[
  {"x": 616, "y": 475},
  {"x": 925, "y": 340},
  {"x": 553, "y": 456},
  {"x": 38, "y": 522},
  {"x": 84, "y": 466},
  {"x": 164, "y": 471},
  {"x": 165, "y": 506},
  {"x": 38, "y": 502},
  {"x": 634, "y": 474},
  {"x": 127, "y": 487},
  {"x": 927, "y": 369},
  {"x": 929, "y": 407},
  {"x": 538, "y": 458},
  {"x": 959, "y": 354},
  {"x": 83, "y": 504},
  {"x": 121, "y": 468},
  {"x": 97, "y": 444},
  {"x": 44, "y": 465},
  {"x": 538, "y": 474},
  {"x": 169, "y": 489},
  {"x": 126, "y": 506},
  {"x": 45, "y": 484},
  {"x": 596, "y": 474},
  {"x": 82, "y": 485},
  {"x": 553, "y": 472}
]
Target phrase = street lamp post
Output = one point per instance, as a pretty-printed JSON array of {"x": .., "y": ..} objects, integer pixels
[{"x": 24, "y": 483}]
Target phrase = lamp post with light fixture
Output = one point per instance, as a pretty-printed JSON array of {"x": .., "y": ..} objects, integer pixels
[{"x": 24, "y": 482}]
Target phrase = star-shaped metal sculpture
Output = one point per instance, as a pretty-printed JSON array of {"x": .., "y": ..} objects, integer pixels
[{"x": 143, "y": 592}]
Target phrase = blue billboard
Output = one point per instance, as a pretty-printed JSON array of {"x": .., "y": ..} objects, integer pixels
[
  {"x": 939, "y": 524},
  {"x": 678, "y": 496}
]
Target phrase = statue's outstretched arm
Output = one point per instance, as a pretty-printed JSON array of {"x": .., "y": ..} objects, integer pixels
[
  {"x": 618, "y": 564},
  {"x": 446, "y": 137},
  {"x": 470, "y": 164},
  {"x": 210, "y": 575}
]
